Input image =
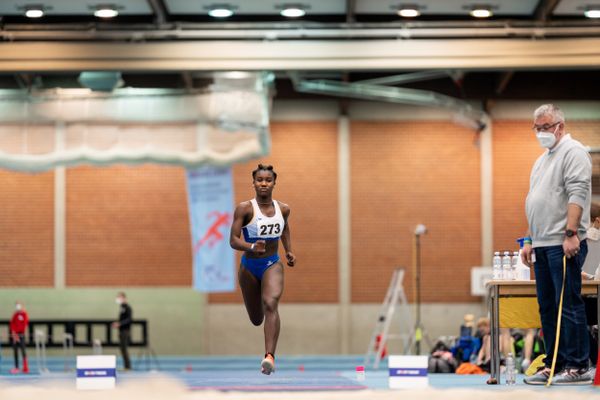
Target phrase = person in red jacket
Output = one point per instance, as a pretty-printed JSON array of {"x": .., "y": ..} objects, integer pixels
[{"x": 18, "y": 326}]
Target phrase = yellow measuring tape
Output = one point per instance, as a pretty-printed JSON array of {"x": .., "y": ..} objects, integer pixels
[{"x": 560, "y": 306}]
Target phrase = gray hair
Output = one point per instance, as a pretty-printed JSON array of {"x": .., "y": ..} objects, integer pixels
[{"x": 549, "y": 109}]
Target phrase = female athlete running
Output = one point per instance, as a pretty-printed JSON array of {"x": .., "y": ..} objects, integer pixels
[{"x": 262, "y": 221}]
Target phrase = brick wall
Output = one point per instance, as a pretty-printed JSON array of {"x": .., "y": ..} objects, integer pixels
[
  {"x": 26, "y": 229},
  {"x": 588, "y": 132},
  {"x": 304, "y": 155},
  {"x": 127, "y": 226},
  {"x": 403, "y": 174},
  {"x": 515, "y": 149}
]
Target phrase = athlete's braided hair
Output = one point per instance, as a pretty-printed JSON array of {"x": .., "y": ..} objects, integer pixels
[{"x": 262, "y": 167}]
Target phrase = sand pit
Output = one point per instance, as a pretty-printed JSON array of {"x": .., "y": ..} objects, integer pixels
[{"x": 165, "y": 388}]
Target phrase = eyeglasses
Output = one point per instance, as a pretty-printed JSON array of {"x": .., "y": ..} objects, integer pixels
[{"x": 545, "y": 127}]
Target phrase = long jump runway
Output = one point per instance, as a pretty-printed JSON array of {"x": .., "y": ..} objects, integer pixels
[{"x": 314, "y": 378}]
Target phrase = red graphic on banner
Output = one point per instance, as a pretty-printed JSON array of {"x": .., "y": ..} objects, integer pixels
[{"x": 213, "y": 235}]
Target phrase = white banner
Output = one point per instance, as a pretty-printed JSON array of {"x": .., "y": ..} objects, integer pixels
[{"x": 210, "y": 199}]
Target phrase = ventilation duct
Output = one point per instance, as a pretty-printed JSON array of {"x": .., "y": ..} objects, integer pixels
[
  {"x": 100, "y": 81},
  {"x": 223, "y": 125}
]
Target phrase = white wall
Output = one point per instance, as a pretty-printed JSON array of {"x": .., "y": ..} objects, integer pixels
[{"x": 314, "y": 329}]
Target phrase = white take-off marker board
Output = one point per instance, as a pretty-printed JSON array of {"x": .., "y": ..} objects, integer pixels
[
  {"x": 408, "y": 372},
  {"x": 96, "y": 372}
]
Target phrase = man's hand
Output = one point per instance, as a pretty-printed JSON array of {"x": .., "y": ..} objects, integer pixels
[
  {"x": 526, "y": 255},
  {"x": 571, "y": 246},
  {"x": 291, "y": 258},
  {"x": 116, "y": 325}
]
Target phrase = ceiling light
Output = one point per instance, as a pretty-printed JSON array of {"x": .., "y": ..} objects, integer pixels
[
  {"x": 592, "y": 13},
  {"x": 481, "y": 12},
  {"x": 220, "y": 12},
  {"x": 292, "y": 12},
  {"x": 409, "y": 12},
  {"x": 233, "y": 75},
  {"x": 106, "y": 11},
  {"x": 34, "y": 12}
]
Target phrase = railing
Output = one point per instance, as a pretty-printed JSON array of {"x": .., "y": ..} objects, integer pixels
[{"x": 81, "y": 333}]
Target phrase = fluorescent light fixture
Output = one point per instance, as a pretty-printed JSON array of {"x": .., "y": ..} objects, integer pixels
[
  {"x": 233, "y": 75},
  {"x": 592, "y": 12},
  {"x": 292, "y": 12},
  {"x": 34, "y": 12},
  {"x": 220, "y": 12},
  {"x": 106, "y": 11},
  {"x": 481, "y": 12},
  {"x": 409, "y": 12}
]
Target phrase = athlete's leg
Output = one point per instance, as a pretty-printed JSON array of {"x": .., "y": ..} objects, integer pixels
[
  {"x": 22, "y": 345},
  {"x": 272, "y": 288},
  {"x": 16, "y": 350},
  {"x": 250, "y": 287}
]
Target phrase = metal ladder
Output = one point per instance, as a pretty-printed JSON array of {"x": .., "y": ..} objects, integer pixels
[{"x": 395, "y": 295}]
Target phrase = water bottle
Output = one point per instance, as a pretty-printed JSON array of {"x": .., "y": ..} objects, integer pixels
[
  {"x": 514, "y": 264},
  {"x": 506, "y": 266},
  {"x": 511, "y": 376},
  {"x": 523, "y": 272},
  {"x": 497, "y": 266}
]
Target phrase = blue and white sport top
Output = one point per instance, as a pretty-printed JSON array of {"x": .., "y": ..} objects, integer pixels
[{"x": 263, "y": 227}]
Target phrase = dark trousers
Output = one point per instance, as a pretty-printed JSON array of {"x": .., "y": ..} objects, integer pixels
[
  {"x": 574, "y": 346},
  {"x": 124, "y": 338},
  {"x": 19, "y": 345}
]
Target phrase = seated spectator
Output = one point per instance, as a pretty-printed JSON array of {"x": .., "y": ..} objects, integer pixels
[
  {"x": 441, "y": 359},
  {"x": 484, "y": 357},
  {"x": 467, "y": 345}
]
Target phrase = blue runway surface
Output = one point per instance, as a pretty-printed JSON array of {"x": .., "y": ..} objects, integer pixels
[{"x": 306, "y": 373}]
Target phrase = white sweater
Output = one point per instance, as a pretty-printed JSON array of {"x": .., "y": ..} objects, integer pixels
[{"x": 558, "y": 178}]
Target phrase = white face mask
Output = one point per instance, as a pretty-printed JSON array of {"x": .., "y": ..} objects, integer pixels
[
  {"x": 546, "y": 139},
  {"x": 18, "y": 307},
  {"x": 593, "y": 234},
  {"x": 118, "y": 301}
]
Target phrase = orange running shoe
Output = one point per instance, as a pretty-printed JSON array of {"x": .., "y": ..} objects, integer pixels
[{"x": 268, "y": 364}]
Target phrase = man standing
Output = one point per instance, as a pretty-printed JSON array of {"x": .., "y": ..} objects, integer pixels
[
  {"x": 124, "y": 326},
  {"x": 558, "y": 213},
  {"x": 18, "y": 325}
]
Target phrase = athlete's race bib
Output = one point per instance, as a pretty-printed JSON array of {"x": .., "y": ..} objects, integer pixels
[{"x": 268, "y": 229}]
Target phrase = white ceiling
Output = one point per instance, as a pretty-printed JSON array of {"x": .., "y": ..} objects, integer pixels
[
  {"x": 574, "y": 7},
  {"x": 447, "y": 7},
  {"x": 78, "y": 7},
  {"x": 451, "y": 8},
  {"x": 260, "y": 7}
]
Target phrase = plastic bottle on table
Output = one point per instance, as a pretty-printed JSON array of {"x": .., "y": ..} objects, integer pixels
[
  {"x": 516, "y": 257},
  {"x": 497, "y": 266},
  {"x": 507, "y": 266},
  {"x": 510, "y": 373},
  {"x": 523, "y": 272}
]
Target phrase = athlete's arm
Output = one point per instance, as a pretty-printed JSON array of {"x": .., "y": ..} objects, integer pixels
[
  {"x": 235, "y": 235},
  {"x": 286, "y": 238}
]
